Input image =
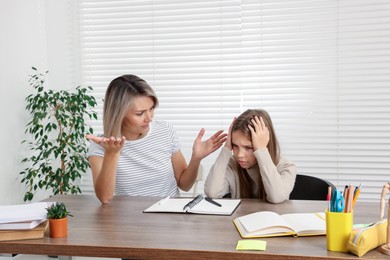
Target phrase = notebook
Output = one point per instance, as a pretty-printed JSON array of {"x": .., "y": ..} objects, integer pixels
[{"x": 202, "y": 206}]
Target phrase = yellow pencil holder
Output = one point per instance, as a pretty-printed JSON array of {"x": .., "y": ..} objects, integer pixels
[{"x": 338, "y": 228}]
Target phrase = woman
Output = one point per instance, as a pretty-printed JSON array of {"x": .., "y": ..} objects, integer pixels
[
  {"x": 139, "y": 156},
  {"x": 255, "y": 170}
]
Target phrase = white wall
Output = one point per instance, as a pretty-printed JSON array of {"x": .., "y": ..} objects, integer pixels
[{"x": 34, "y": 33}]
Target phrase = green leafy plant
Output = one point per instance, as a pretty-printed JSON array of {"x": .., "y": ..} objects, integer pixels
[
  {"x": 56, "y": 131},
  {"x": 57, "y": 211}
]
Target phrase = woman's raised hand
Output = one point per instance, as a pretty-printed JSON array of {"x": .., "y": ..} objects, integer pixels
[
  {"x": 111, "y": 144},
  {"x": 201, "y": 149}
]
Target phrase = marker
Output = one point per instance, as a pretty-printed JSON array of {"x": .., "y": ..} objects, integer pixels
[
  {"x": 346, "y": 198},
  {"x": 345, "y": 191},
  {"x": 328, "y": 197},
  {"x": 213, "y": 202},
  {"x": 193, "y": 202}
]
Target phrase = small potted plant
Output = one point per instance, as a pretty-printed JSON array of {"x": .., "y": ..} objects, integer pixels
[{"x": 58, "y": 219}]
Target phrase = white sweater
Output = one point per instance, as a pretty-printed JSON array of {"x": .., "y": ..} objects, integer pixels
[{"x": 277, "y": 181}]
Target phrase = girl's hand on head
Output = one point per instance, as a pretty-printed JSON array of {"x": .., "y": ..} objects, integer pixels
[
  {"x": 260, "y": 133},
  {"x": 111, "y": 144},
  {"x": 228, "y": 143},
  {"x": 201, "y": 149}
]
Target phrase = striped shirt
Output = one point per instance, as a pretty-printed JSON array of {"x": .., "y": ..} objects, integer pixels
[{"x": 145, "y": 165}]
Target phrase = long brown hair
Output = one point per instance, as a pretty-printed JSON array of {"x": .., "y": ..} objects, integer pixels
[
  {"x": 241, "y": 124},
  {"x": 120, "y": 96}
]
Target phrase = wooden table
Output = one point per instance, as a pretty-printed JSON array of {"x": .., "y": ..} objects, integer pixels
[{"x": 122, "y": 230}]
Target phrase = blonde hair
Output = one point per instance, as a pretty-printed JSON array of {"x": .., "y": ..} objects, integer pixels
[
  {"x": 120, "y": 96},
  {"x": 241, "y": 124}
]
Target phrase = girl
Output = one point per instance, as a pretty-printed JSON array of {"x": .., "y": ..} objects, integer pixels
[{"x": 255, "y": 169}]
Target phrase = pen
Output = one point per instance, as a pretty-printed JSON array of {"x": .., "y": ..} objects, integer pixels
[
  {"x": 193, "y": 202},
  {"x": 356, "y": 196},
  {"x": 213, "y": 202}
]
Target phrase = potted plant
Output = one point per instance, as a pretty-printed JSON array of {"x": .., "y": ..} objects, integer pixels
[
  {"x": 58, "y": 219},
  {"x": 56, "y": 137}
]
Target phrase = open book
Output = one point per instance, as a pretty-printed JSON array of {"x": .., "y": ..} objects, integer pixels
[
  {"x": 199, "y": 206},
  {"x": 270, "y": 224}
]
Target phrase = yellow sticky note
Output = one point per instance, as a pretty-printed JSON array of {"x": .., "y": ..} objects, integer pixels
[{"x": 251, "y": 244}]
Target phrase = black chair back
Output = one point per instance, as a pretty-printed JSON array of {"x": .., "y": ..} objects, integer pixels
[{"x": 310, "y": 188}]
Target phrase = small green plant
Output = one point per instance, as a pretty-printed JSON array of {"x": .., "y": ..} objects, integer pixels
[
  {"x": 57, "y": 211},
  {"x": 56, "y": 137}
]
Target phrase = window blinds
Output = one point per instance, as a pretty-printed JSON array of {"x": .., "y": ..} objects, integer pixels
[{"x": 319, "y": 67}]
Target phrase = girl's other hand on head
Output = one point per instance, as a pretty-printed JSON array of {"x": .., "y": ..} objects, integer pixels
[{"x": 228, "y": 143}]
